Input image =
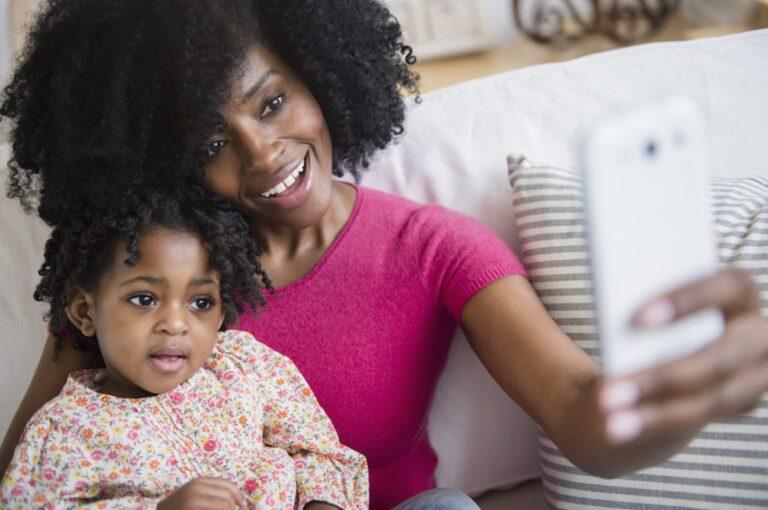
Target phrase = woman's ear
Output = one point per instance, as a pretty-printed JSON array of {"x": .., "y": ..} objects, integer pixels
[{"x": 80, "y": 312}]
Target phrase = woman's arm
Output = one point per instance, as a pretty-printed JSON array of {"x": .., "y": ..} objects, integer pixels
[
  {"x": 560, "y": 387},
  {"x": 48, "y": 380}
]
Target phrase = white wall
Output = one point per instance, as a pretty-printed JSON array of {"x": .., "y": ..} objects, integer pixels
[
  {"x": 503, "y": 26},
  {"x": 5, "y": 39},
  {"x": 5, "y": 53},
  {"x": 14, "y": 17}
]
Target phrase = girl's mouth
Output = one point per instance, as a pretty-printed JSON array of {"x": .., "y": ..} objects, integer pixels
[
  {"x": 168, "y": 364},
  {"x": 168, "y": 359}
]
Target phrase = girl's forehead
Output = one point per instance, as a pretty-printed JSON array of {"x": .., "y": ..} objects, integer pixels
[{"x": 166, "y": 254}]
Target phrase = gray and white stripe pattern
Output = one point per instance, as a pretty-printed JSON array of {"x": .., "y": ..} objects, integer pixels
[{"x": 726, "y": 466}]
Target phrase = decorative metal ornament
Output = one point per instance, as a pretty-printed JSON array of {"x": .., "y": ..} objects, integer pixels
[{"x": 561, "y": 22}]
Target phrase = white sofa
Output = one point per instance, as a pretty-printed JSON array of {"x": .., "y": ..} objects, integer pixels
[{"x": 454, "y": 153}]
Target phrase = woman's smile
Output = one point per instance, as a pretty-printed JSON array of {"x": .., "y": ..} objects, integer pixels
[{"x": 290, "y": 187}]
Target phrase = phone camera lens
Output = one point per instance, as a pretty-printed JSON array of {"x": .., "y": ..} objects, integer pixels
[{"x": 651, "y": 149}]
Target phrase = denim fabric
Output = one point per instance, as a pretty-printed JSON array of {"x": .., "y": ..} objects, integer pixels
[{"x": 439, "y": 499}]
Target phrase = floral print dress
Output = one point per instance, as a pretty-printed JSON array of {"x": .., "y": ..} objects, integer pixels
[{"x": 247, "y": 415}]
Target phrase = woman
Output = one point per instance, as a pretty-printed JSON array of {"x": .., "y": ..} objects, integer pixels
[{"x": 262, "y": 102}]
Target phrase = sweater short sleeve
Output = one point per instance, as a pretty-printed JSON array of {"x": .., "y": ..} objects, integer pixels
[{"x": 459, "y": 256}]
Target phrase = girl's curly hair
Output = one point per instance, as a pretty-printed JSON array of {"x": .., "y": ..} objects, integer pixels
[
  {"x": 112, "y": 96},
  {"x": 82, "y": 248}
]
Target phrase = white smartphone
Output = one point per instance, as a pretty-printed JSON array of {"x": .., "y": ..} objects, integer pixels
[{"x": 650, "y": 228}]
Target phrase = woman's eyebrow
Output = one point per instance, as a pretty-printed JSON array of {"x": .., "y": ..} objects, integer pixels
[{"x": 255, "y": 88}]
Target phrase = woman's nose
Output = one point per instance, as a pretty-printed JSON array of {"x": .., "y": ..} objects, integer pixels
[
  {"x": 259, "y": 151},
  {"x": 173, "y": 320}
]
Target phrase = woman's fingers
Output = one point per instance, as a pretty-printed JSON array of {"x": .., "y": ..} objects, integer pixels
[
  {"x": 679, "y": 416},
  {"x": 726, "y": 378},
  {"x": 743, "y": 345},
  {"x": 731, "y": 290}
]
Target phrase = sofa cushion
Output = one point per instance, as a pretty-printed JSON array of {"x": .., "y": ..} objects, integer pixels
[{"x": 726, "y": 466}]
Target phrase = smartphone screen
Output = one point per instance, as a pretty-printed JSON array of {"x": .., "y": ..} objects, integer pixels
[{"x": 650, "y": 228}]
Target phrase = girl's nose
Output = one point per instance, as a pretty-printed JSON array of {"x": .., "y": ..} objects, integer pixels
[{"x": 173, "y": 320}]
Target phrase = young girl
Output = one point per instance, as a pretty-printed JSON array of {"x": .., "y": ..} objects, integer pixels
[{"x": 180, "y": 417}]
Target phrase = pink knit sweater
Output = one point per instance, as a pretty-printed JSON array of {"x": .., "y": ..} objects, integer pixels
[{"x": 370, "y": 326}]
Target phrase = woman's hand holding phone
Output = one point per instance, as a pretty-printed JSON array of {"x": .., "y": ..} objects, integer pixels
[
  {"x": 698, "y": 352},
  {"x": 725, "y": 378}
]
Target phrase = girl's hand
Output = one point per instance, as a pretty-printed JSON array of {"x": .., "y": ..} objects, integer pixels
[
  {"x": 205, "y": 493},
  {"x": 724, "y": 379}
]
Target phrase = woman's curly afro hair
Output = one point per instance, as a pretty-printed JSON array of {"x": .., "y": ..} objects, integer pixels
[
  {"x": 83, "y": 248},
  {"x": 112, "y": 96}
]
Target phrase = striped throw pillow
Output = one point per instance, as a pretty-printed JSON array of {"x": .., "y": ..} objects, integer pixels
[{"x": 726, "y": 466}]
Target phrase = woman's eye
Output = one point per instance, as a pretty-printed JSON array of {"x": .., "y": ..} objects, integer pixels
[
  {"x": 142, "y": 300},
  {"x": 215, "y": 147},
  {"x": 202, "y": 303},
  {"x": 273, "y": 105}
]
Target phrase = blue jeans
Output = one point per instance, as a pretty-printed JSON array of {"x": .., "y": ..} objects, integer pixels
[{"x": 439, "y": 499}]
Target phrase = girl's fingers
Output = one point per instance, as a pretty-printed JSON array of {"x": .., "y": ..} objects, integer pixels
[
  {"x": 730, "y": 290},
  {"x": 679, "y": 416},
  {"x": 221, "y": 487},
  {"x": 218, "y": 501}
]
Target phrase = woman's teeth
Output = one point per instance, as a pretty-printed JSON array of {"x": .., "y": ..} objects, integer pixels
[{"x": 287, "y": 182}]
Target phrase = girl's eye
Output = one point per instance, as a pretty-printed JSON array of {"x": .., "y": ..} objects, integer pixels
[
  {"x": 143, "y": 300},
  {"x": 202, "y": 303},
  {"x": 273, "y": 105},
  {"x": 215, "y": 147}
]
